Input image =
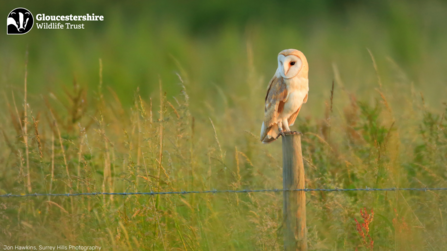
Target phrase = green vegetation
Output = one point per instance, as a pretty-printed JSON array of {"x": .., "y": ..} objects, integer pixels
[{"x": 169, "y": 97}]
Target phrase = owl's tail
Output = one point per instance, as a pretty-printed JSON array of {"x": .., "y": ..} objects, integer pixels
[{"x": 269, "y": 134}]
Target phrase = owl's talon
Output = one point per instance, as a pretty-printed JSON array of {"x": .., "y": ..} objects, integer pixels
[{"x": 280, "y": 134}]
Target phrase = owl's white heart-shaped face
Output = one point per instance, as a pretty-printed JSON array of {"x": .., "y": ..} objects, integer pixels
[{"x": 289, "y": 66}]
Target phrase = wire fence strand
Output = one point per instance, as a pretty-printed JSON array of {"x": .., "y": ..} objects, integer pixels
[{"x": 423, "y": 189}]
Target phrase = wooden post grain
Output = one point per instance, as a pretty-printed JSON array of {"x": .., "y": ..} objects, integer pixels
[{"x": 294, "y": 226}]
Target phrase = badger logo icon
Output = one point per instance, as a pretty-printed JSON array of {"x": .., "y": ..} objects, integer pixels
[{"x": 20, "y": 21}]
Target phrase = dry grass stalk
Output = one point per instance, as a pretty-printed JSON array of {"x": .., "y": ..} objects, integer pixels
[
  {"x": 217, "y": 140},
  {"x": 52, "y": 165},
  {"x": 332, "y": 96},
  {"x": 56, "y": 126},
  {"x": 160, "y": 154},
  {"x": 25, "y": 125},
  {"x": 379, "y": 80},
  {"x": 36, "y": 131},
  {"x": 173, "y": 108},
  {"x": 81, "y": 135}
]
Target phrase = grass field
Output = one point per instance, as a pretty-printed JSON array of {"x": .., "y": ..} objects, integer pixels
[{"x": 177, "y": 106}]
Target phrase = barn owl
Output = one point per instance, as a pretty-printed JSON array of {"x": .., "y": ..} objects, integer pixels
[{"x": 286, "y": 94}]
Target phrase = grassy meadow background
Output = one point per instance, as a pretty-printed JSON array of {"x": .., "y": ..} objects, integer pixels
[{"x": 168, "y": 96}]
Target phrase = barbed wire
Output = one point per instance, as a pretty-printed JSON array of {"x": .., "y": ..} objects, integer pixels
[{"x": 231, "y": 191}]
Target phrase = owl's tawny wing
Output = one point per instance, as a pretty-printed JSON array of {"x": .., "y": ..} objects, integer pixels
[{"x": 274, "y": 100}]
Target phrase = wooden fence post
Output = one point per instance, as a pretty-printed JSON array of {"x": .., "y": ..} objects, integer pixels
[{"x": 294, "y": 226}]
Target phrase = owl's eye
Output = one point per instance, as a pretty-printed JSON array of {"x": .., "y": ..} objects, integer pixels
[{"x": 292, "y": 63}]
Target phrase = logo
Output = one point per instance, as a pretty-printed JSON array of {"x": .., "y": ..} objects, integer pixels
[{"x": 20, "y": 21}]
